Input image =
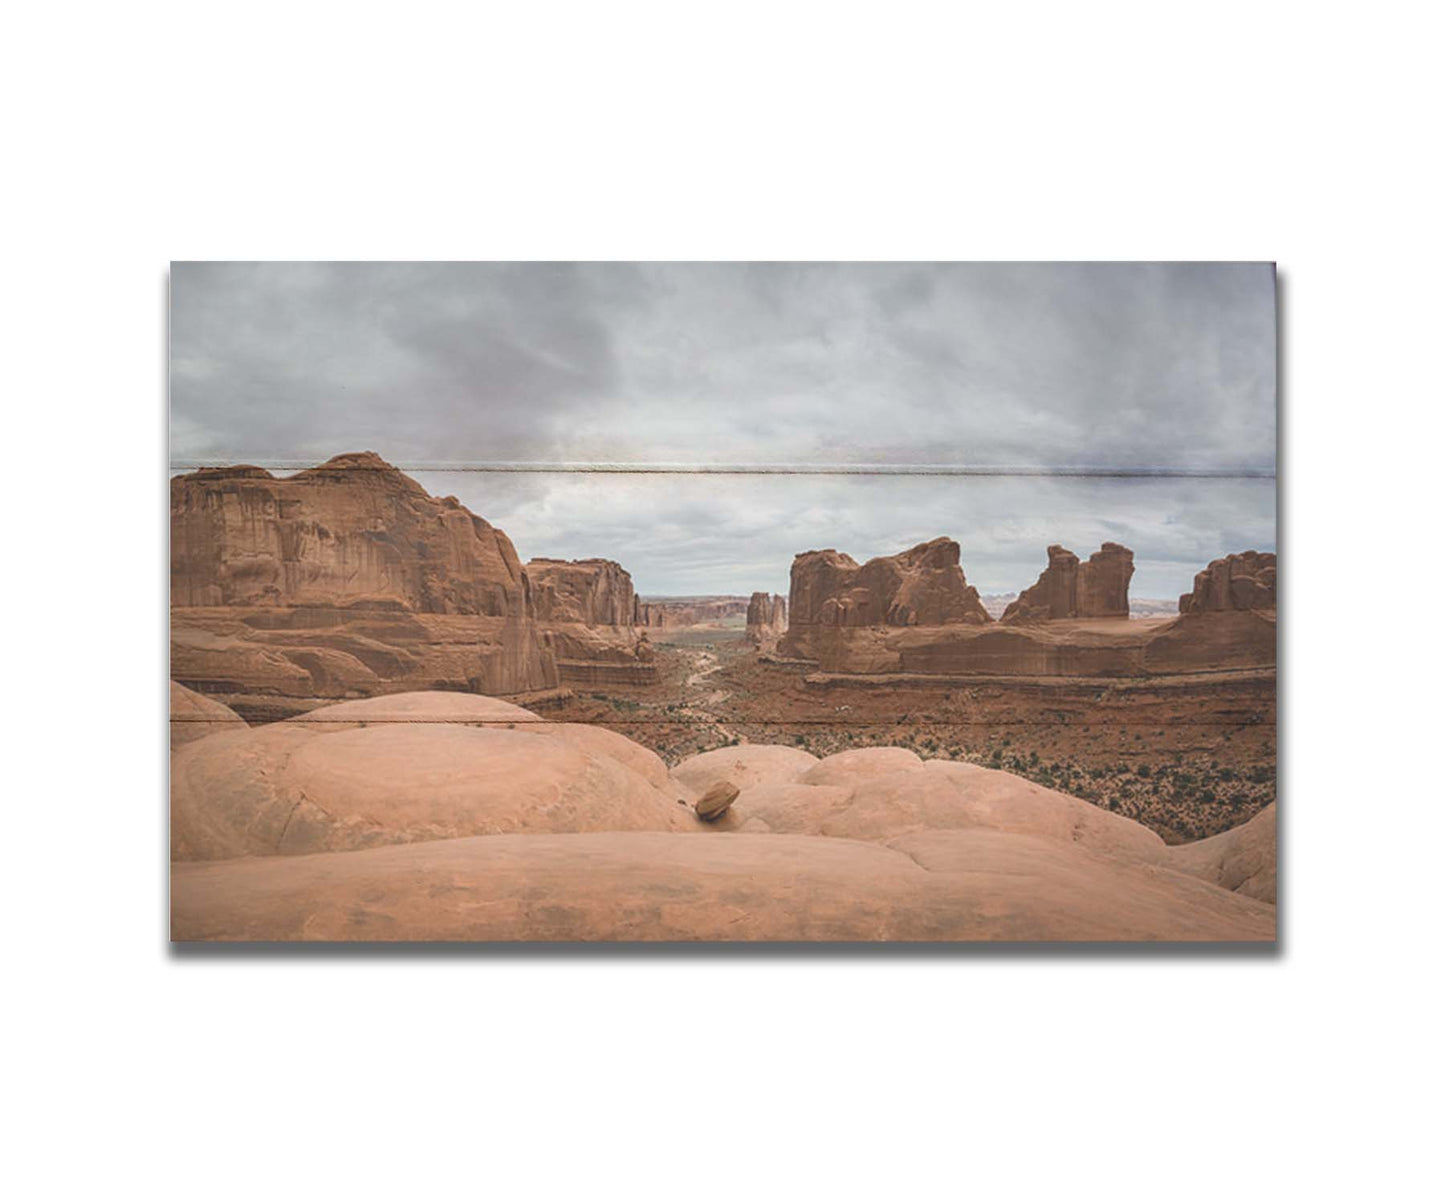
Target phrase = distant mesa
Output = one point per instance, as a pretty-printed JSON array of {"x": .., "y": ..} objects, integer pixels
[
  {"x": 1239, "y": 581},
  {"x": 921, "y": 587},
  {"x": 711, "y": 611},
  {"x": 1096, "y": 589},
  {"x": 913, "y": 614}
]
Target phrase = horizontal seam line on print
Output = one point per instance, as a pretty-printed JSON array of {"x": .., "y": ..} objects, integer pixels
[
  {"x": 467, "y": 721},
  {"x": 895, "y": 470}
]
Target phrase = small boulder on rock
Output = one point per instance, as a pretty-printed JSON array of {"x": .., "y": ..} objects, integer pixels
[{"x": 716, "y": 799}]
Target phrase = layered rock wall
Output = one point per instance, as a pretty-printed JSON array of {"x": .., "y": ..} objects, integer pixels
[
  {"x": 922, "y": 587},
  {"x": 1239, "y": 581},
  {"x": 596, "y": 592},
  {"x": 690, "y": 612},
  {"x": 767, "y": 619},
  {"x": 590, "y": 618},
  {"x": 1067, "y": 589},
  {"x": 343, "y": 581},
  {"x": 354, "y": 531}
]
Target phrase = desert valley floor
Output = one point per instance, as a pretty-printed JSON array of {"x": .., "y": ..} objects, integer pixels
[{"x": 1188, "y": 757}]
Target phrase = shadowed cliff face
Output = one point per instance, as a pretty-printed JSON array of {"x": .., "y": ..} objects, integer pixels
[
  {"x": 353, "y": 531},
  {"x": 1096, "y": 589},
  {"x": 1239, "y": 581}
]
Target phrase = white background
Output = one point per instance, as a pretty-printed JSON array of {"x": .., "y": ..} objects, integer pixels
[{"x": 144, "y": 132}]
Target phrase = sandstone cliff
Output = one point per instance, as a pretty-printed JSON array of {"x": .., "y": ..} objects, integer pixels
[
  {"x": 589, "y": 615},
  {"x": 342, "y": 581},
  {"x": 767, "y": 619},
  {"x": 1098, "y": 588},
  {"x": 1239, "y": 581},
  {"x": 922, "y": 587},
  {"x": 596, "y": 592},
  {"x": 353, "y": 531}
]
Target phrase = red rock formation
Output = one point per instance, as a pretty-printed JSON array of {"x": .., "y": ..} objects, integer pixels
[
  {"x": 589, "y": 615},
  {"x": 923, "y": 586},
  {"x": 1098, "y": 588},
  {"x": 1239, "y": 581},
  {"x": 1104, "y": 583},
  {"x": 767, "y": 618},
  {"x": 690, "y": 612},
  {"x": 353, "y": 531},
  {"x": 595, "y": 592},
  {"x": 343, "y": 581}
]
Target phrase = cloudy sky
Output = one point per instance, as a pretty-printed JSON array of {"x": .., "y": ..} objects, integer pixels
[{"x": 1148, "y": 368}]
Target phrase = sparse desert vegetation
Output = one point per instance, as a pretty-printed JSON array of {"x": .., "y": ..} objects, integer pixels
[{"x": 1188, "y": 761}]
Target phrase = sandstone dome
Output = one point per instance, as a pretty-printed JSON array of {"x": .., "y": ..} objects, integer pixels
[
  {"x": 588, "y": 737},
  {"x": 446, "y": 817},
  {"x": 848, "y": 768},
  {"x": 1243, "y": 859},
  {"x": 194, "y": 716},
  {"x": 946, "y": 795},
  {"x": 789, "y": 807},
  {"x": 974, "y": 885},
  {"x": 421, "y": 706},
  {"x": 874, "y": 794},
  {"x": 744, "y": 765},
  {"x": 341, "y": 779}
]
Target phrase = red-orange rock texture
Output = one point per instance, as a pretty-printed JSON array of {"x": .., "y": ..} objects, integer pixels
[
  {"x": 690, "y": 612},
  {"x": 1095, "y": 589},
  {"x": 595, "y": 592},
  {"x": 922, "y": 587},
  {"x": 1239, "y": 581},
  {"x": 350, "y": 580},
  {"x": 353, "y": 532},
  {"x": 443, "y": 817},
  {"x": 589, "y": 616},
  {"x": 767, "y": 619}
]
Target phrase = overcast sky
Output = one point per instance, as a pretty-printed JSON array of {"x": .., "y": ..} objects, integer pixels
[{"x": 1149, "y": 366}]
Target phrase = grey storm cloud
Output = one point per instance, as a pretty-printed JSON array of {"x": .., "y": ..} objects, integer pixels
[{"x": 1043, "y": 366}]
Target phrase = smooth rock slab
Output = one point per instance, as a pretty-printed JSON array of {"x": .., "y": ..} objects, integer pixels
[
  {"x": 744, "y": 765},
  {"x": 653, "y": 886}
]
